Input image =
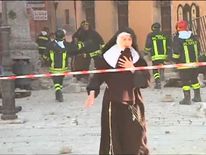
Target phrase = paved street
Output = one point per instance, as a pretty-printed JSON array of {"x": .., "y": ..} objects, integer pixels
[{"x": 47, "y": 127}]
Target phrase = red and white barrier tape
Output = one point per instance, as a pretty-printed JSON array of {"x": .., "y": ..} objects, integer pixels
[{"x": 31, "y": 76}]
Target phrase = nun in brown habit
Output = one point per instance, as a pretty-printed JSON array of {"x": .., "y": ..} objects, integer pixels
[{"x": 123, "y": 128}]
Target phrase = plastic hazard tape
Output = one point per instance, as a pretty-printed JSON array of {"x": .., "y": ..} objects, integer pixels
[{"x": 31, "y": 76}]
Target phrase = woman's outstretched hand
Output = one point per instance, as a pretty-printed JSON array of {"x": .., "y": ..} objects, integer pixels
[{"x": 90, "y": 99}]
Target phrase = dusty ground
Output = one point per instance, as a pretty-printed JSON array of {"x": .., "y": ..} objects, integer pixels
[{"x": 47, "y": 127}]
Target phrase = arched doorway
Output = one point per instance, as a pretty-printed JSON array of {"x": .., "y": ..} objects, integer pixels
[
  {"x": 187, "y": 12},
  {"x": 179, "y": 12}
]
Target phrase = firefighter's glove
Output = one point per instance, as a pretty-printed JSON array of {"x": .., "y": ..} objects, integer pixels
[
  {"x": 80, "y": 45},
  {"x": 95, "y": 53}
]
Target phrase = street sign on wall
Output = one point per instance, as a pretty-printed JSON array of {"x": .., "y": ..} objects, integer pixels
[
  {"x": 40, "y": 15},
  {"x": 35, "y": 4}
]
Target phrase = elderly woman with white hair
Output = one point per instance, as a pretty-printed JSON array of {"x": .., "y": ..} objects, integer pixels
[{"x": 123, "y": 128}]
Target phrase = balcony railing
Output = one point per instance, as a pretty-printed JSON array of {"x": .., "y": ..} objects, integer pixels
[{"x": 198, "y": 27}]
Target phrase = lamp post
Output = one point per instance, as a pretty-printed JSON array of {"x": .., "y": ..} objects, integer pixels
[
  {"x": 55, "y": 9},
  {"x": 8, "y": 94}
]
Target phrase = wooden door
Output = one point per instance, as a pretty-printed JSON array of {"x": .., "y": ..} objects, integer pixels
[
  {"x": 166, "y": 17},
  {"x": 89, "y": 12},
  {"x": 122, "y": 14}
]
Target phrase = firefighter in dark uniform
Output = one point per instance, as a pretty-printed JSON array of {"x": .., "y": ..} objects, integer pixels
[
  {"x": 57, "y": 55},
  {"x": 82, "y": 62},
  {"x": 157, "y": 44},
  {"x": 42, "y": 41},
  {"x": 186, "y": 50}
]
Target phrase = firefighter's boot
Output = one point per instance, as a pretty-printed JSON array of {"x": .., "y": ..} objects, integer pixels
[
  {"x": 197, "y": 97},
  {"x": 59, "y": 96},
  {"x": 187, "y": 99}
]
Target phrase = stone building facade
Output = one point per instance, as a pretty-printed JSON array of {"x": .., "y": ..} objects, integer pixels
[{"x": 106, "y": 16}]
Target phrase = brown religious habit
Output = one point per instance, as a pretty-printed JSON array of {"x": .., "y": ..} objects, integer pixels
[{"x": 123, "y": 129}]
